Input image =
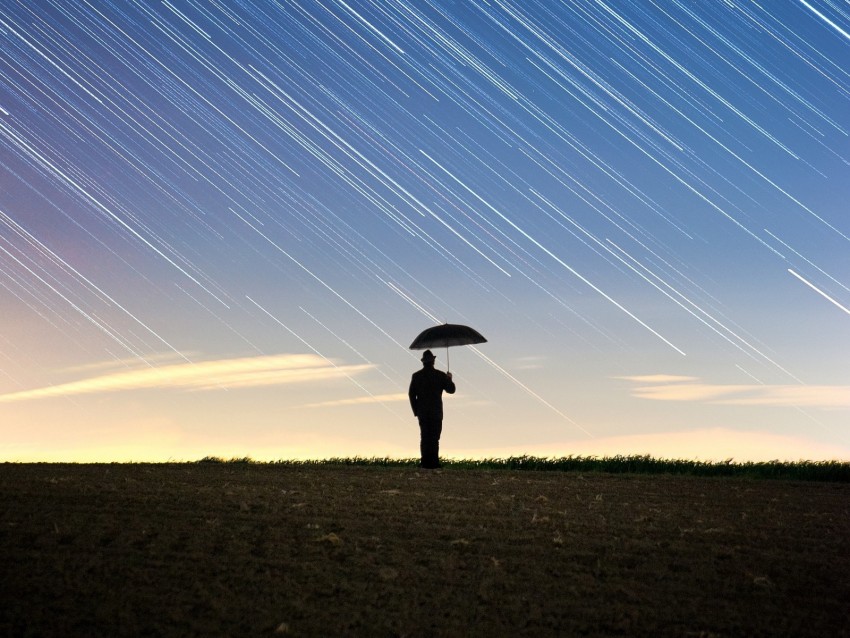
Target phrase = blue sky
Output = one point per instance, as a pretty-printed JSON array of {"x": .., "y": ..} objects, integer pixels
[{"x": 222, "y": 224}]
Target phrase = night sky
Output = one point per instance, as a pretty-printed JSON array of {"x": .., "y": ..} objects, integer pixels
[{"x": 222, "y": 224}]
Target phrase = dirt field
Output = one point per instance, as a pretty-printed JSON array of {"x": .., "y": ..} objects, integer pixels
[{"x": 245, "y": 550}]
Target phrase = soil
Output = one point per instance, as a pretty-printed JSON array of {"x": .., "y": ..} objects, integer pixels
[{"x": 249, "y": 549}]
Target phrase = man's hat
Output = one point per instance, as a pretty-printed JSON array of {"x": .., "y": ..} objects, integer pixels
[{"x": 428, "y": 356}]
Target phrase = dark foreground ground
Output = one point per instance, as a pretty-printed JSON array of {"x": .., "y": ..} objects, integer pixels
[{"x": 245, "y": 550}]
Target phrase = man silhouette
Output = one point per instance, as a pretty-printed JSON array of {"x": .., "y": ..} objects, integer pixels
[{"x": 426, "y": 390}]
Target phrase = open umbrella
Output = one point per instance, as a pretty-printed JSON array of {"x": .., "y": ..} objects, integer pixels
[{"x": 446, "y": 335}]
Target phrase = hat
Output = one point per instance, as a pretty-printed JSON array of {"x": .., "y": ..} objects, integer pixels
[{"x": 428, "y": 356}]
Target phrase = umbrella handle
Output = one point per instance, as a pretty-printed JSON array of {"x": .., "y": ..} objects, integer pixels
[{"x": 448, "y": 366}]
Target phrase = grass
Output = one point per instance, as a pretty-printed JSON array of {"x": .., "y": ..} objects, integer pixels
[{"x": 835, "y": 471}]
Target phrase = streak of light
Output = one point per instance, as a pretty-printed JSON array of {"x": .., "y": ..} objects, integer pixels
[
  {"x": 49, "y": 60},
  {"x": 170, "y": 72},
  {"x": 674, "y": 297},
  {"x": 692, "y": 188},
  {"x": 186, "y": 19},
  {"x": 812, "y": 264},
  {"x": 371, "y": 26},
  {"x": 100, "y": 325},
  {"x": 796, "y": 407},
  {"x": 359, "y": 354},
  {"x": 752, "y": 62},
  {"x": 317, "y": 278},
  {"x": 316, "y": 351},
  {"x": 554, "y": 256},
  {"x": 491, "y": 363},
  {"x": 40, "y": 247},
  {"x": 53, "y": 169},
  {"x": 819, "y": 291},
  {"x": 412, "y": 301},
  {"x": 419, "y": 175},
  {"x": 564, "y": 55},
  {"x": 785, "y": 36},
  {"x": 631, "y": 28},
  {"x": 654, "y": 254},
  {"x": 717, "y": 96},
  {"x": 825, "y": 19},
  {"x": 507, "y": 374},
  {"x": 381, "y": 176},
  {"x": 698, "y": 308}
]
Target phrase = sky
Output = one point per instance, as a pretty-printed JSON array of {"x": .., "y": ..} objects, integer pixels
[{"x": 222, "y": 223}]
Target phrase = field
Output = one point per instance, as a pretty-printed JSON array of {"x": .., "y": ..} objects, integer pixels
[{"x": 244, "y": 549}]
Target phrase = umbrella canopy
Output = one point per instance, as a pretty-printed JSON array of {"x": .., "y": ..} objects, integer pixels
[{"x": 449, "y": 334}]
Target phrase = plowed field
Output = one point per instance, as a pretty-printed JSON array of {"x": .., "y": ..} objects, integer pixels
[{"x": 249, "y": 549}]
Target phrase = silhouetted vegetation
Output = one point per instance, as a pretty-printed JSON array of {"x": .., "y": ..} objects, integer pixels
[{"x": 837, "y": 471}]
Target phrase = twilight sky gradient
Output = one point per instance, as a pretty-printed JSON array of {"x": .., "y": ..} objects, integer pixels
[{"x": 223, "y": 222}]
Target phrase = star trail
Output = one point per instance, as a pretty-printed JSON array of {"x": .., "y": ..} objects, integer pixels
[{"x": 222, "y": 222}]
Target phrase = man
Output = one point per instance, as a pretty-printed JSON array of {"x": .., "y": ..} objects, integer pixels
[{"x": 426, "y": 389}]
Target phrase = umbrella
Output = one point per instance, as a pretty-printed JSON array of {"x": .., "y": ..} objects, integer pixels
[{"x": 448, "y": 334}]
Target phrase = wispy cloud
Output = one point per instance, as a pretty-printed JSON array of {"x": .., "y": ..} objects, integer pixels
[
  {"x": 530, "y": 363},
  {"x": 674, "y": 388},
  {"x": 376, "y": 398},
  {"x": 658, "y": 378},
  {"x": 246, "y": 372}
]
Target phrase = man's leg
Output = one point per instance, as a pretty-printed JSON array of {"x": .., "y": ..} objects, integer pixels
[
  {"x": 435, "y": 447},
  {"x": 423, "y": 442},
  {"x": 429, "y": 443}
]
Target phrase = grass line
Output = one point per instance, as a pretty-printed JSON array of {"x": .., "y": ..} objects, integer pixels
[{"x": 835, "y": 471}]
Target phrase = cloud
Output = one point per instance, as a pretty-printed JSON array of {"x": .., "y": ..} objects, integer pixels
[
  {"x": 530, "y": 363},
  {"x": 818, "y": 396},
  {"x": 161, "y": 359},
  {"x": 375, "y": 398},
  {"x": 247, "y": 372},
  {"x": 673, "y": 388},
  {"x": 658, "y": 378}
]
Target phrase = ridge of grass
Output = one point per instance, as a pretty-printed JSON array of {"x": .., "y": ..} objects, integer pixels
[{"x": 835, "y": 471}]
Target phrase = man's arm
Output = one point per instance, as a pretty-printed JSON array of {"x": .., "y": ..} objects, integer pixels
[
  {"x": 450, "y": 385},
  {"x": 411, "y": 394}
]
